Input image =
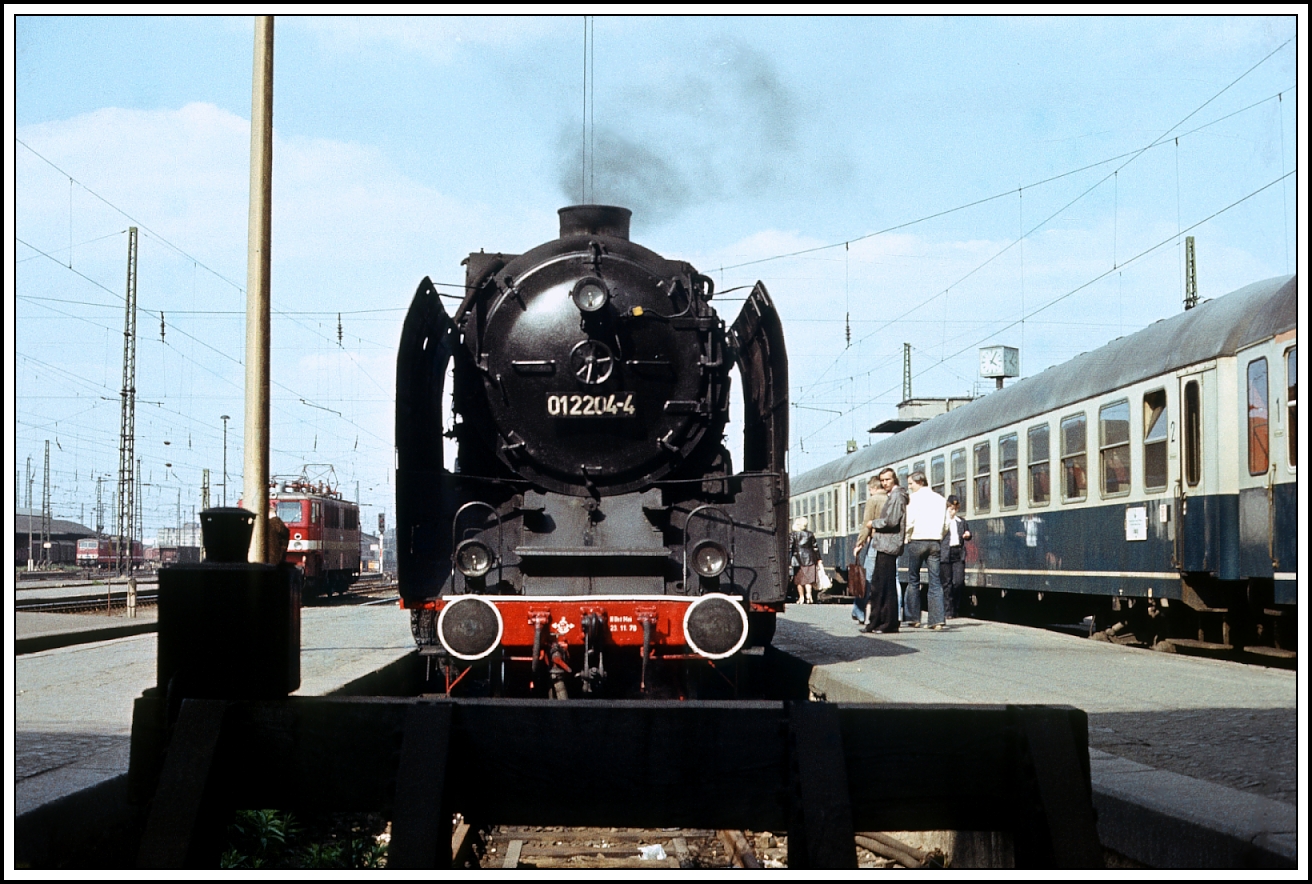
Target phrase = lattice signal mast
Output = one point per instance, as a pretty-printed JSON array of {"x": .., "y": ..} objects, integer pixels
[
  {"x": 1190, "y": 275},
  {"x": 30, "y": 563},
  {"x": 906, "y": 372},
  {"x": 127, "y": 424},
  {"x": 45, "y": 511}
]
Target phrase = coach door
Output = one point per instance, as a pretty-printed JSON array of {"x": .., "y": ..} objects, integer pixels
[{"x": 1197, "y": 533}]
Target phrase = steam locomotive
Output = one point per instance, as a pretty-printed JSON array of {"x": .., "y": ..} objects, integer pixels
[{"x": 591, "y": 528}]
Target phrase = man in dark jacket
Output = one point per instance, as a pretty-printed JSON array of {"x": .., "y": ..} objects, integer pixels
[
  {"x": 886, "y": 541},
  {"x": 873, "y": 509},
  {"x": 952, "y": 557}
]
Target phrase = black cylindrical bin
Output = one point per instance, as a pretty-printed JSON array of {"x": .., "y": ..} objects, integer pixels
[
  {"x": 229, "y": 630},
  {"x": 226, "y": 533}
]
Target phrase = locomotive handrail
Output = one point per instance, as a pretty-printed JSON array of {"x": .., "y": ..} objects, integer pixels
[
  {"x": 732, "y": 537},
  {"x": 455, "y": 521},
  {"x": 745, "y": 474}
]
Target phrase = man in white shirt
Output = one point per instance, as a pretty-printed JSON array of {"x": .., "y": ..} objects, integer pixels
[{"x": 926, "y": 521}]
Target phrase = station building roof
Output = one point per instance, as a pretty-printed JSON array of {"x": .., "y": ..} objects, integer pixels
[{"x": 58, "y": 527}]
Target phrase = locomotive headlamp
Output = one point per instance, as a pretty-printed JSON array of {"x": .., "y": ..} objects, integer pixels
[
  {"x": 709, "y": 558},
  {"x": 473, "y": 558},
  {"x": 590, "y": 294}
]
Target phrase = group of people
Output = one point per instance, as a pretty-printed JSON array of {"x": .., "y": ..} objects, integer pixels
[
  {"x": 922, "y": 524},
  {"x": 917, "y": 522}
]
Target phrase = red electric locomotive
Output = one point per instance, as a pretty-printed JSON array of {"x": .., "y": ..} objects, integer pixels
[
  {"x": 323, "y": 533},
  {"x": 103, "y": 553}
]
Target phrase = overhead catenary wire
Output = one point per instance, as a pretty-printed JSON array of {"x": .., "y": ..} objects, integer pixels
[
  {"x": 109, "y": 395},
  {"x": 1129, "y": 158},
  {"x": 190, "y": 366},
  {"x": 1005, "y": 193},
  {"x": 1084, "y": 285},
  {"x": 228, "y": 356}
]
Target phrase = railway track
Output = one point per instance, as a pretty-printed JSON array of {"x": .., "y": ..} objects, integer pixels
[
  {"x": 99, "y": 597},
  {"x": 560, "y": 848},
  {"x": 102, "y": 597},
  {"x": 554, "y": 847},
  {"x": 371, "y": 589}
]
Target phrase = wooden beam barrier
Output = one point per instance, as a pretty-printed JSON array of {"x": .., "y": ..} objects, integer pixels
[{"x": 820, "y": 772}]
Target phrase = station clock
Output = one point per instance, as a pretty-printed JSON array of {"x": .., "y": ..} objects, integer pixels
[{"x": 999, "y": 362}]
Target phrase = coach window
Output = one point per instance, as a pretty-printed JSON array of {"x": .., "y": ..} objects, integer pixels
[
  {"x": 1074, "y": 459},
  {"x": 1114, "y": 448},
  {"x": 1193, "y": 434},
  {"x": 982, "y": 475},
  {"x": 1259, "y": 452},
  {"x": 316, "y": 513},
  {"x": 1008, "y": 466},
  {"x": 902, "y": 473},
  {"x": 959, "y": 475},
  {"x": 918, "y": 467},
  {"x": 1291, "y": 383},
  {"x": 1154, "y": 439},
  {"x": 936, "y": 474},
  {"x": 1040, "y": 476}
]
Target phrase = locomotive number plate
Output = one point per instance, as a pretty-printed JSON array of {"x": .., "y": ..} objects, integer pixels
[{"x": 589, "y": 405}]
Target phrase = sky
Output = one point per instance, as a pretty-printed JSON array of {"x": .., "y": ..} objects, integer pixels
[{"x": 946, "y": 182}]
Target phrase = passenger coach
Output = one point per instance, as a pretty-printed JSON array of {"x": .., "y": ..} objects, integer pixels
[{"x": 1160, "y": 469}]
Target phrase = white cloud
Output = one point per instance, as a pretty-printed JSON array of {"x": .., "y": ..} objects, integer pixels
[{"x": 437, "y": 38}]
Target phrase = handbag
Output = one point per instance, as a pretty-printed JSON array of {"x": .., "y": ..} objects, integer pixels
[
  {"x": 822, "y": 577},
  {"x": 856, "y": 580}
]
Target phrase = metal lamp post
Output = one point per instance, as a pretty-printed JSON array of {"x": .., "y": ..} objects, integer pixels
[{"x": 225, "y": 419}]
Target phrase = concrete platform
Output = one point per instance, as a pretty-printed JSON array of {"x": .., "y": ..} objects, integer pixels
[
  {"x": 37, "y": 631},
  {"x": 73, "y": 705},
  {"x": 1194, "y": 762}
]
